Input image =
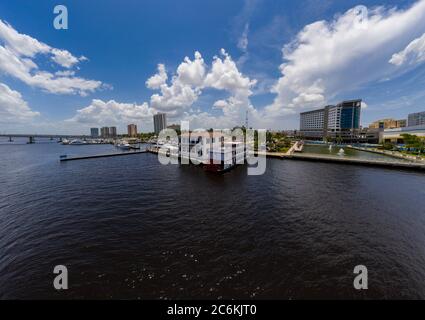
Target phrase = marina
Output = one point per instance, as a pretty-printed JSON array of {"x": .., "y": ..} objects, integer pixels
[{"x": 336, "y": 155}]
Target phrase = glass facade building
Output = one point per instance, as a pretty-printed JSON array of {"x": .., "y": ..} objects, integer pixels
[
  {"x": 341, "y": 121},
  {"x": 94, "y": 132}
]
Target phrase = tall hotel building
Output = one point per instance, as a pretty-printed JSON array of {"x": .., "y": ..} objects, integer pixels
[
  {"x": 132, "y": 130},
  {"x": 94, "y": 132},
  {"x": 339, "y": 121},
  {"x": 104, "y": 132},
  {"x": 159, "y": 122},
  {"x": 312, "y": 123},
  {"x": 112, "y": 132}
]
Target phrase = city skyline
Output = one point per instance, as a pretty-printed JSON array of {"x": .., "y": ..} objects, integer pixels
[{"x": 61, "y": 81}]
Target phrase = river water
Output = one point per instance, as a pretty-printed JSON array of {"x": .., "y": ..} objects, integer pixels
[{"x": 129, "y": 227}]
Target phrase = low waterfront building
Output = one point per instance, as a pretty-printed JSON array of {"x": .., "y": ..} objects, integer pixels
[
  {"x": 402, "y": 123},
  {"x": 94, "y": 132},
  {"x": 132, "y": 130},
  {"x": 370, "y": 135},
  {"x": 214, "y": 150},
  {"x": 388, "y": 124},
  {"x": 395, "y": 135},
  {"x": 335, "y": 122},
  {"x": 159, "y": 122},
  {"x": 416, "y": 119}
]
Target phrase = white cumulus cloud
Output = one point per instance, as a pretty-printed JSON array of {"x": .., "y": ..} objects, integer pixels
[
  {"x": 412, "y": 54},
  {"x": 13, "y": 109},
  {"x": 17, "y": 53},
  {"x": 184, "y": 89},
  {"x": 327, "y": 58},
  {"x": 194, "y": 76},
  {"x": 157, "y": 80},
  {"x": 64, "y": 58},
  {"x": 177, "y": 96},
  {"x": 224, "y": 75},
  {"x": 111, "y": 112}
]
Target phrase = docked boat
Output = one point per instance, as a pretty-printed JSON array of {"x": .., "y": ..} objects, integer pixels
[
  {"x": 77, "y": 142},
  {"x": 212, "y": 151},
  {"x": 123, "y": 145}
]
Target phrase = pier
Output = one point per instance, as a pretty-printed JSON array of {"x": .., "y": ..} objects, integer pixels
[{"x": 63, "y": 159}]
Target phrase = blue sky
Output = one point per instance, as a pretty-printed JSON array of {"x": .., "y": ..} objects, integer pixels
[{"x": 124, "y": 41}]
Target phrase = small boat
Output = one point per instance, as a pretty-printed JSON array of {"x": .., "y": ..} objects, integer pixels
[
  {"x": 77, "y": 142},
  {"x": 123, "y": 145}
]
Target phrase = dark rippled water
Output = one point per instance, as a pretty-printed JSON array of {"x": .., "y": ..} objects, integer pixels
[{"x": 128, "y": 227}]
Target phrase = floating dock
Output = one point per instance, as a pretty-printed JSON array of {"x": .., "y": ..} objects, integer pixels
[{"x": 63, "y": 159}]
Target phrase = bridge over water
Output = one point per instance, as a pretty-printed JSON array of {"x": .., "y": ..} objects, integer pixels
[{"x": 32, "y": 137}]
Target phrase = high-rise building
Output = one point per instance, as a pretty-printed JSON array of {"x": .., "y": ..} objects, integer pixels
[
  {"x": 340, "y": 121},
  {"x": 132, "y": 130},
  {"x": 416, "y": 119},
  {"x": 104, "y": 132},
  {"x": 159, "y": 122},
  {"x": 94, "y": 132},
  {"x": 112, "y": 132},
  {"x": 312, "y": 123}
]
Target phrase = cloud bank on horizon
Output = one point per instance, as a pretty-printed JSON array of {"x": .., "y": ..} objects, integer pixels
[{"x": 325, "y": 59}]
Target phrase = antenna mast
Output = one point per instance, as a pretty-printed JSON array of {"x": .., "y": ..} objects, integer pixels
[{"x": 246, "y": 119}]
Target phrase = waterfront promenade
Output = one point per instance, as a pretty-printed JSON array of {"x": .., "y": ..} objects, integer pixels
[
  {"x": 353, "y": 161},
  {"x": 295, "y": 153},
  {"x": 393, "y": 154},
  {"x": 333, "y": 159}
]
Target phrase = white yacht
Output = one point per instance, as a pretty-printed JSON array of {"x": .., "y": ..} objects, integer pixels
[
  {"x": 124, "y": 145},
  {"x": 77, "y": 142}
]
